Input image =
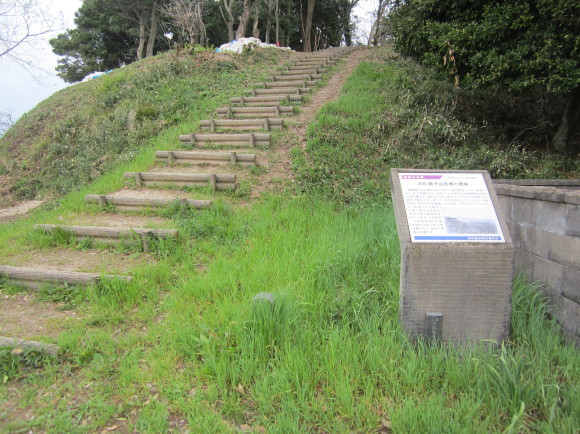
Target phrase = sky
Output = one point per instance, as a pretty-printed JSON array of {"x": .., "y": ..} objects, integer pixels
[{"x": 21, "y": 92}]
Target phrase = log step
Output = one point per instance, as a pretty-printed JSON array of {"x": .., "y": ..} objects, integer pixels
[
  {"x": 107, "y": 234},
  {"x": 255, "y": 111},
  {"x": 239, "y": 139},
  {"x": 293, "y": 77},
  {"x": 265, "y": 100},
  {"x": 266, "y": 124},
  {"x": 40, "y": 347},
  {"x": 320, "y": 57},
  {"x": 215, "y": 181},
  {"x": 136, "y": 203},
  {"x": 280, "y": 91},
  {"x": 297, "y": 70},
  {"x": 285, "y": 84},
  {"x": 303, "y": 68},
  {"x": 192, "y": 157},
  {"x": 36, "y": 277},
  {"x": 315, "y": 63}
]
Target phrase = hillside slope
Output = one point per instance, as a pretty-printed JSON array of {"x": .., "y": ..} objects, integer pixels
[{"x": 80, "y": 132}]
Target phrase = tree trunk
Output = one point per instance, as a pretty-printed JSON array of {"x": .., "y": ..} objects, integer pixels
[
  {"x": 152, "y": 30},
  {"x": 307, "y": 26},
  {"x": 376, "y": 28},
  {"x": 569, "y": 124},
  {"x": 277, "y": 21},
  {"x": 142, "y": 36},
  {"x": 200, "y": 24},
  {"x": 268, "y": 21},
  {"x": 230, "y": 20},
  {"x": 255, "y": 29},
  {"x": 244, "y": 19}
]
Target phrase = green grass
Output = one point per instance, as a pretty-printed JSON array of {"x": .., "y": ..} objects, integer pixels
[
  {"x": 184, "y": 341},
  {"x": 394, "y": 113}
]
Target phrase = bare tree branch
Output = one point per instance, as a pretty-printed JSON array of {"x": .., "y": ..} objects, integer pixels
[
  {"x": 187, "y": 16},
  {"x": 5, "y": 122},
  {"x": 23, "y": 23}
]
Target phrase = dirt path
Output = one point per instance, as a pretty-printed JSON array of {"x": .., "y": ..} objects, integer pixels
[{"x": 279, "y": 160}]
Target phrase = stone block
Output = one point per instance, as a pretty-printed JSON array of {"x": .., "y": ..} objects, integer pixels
[
  {"x": 573, "y": 220},
  {"x": 573, "y": 196},
  {"x": 527, "y": 238},
  {"x": 547, "y": 272},
  {"x": 524, "y": 263},
  {"x": 560, "y": 249},
  {"x": 515, "y": 232},
  {"x": 571, "y": 284},
  {"x": 505, "y": 207},
  {"x": 521, "y": 210},
  {"x": 550, "y": 216},
  {"x": 567, "y": 313}
]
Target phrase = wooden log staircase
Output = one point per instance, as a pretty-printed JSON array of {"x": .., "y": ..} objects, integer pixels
[{"x": 245, "y": 124}]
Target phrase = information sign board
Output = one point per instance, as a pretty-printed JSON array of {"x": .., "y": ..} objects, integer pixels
[{"x": 449, "y": 208}]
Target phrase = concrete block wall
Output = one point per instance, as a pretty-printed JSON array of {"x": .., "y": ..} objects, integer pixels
[{"x": 543, "y": 217}]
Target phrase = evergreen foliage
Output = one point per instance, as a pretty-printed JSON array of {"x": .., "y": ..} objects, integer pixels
[{"x": 519, "y": 46}]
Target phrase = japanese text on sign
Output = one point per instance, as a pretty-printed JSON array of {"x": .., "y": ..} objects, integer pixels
[{"x": 449, "y": 207}]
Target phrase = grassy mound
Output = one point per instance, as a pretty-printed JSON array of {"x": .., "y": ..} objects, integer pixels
[{"x": 80, "y": 132}]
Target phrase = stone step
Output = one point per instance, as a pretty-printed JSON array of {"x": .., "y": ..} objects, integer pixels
[
  {"x": 108, "y": 234},
  {"x": 138, "y": 203},
  {"x": 280, "y": 91},
  {"x": 214, "y": 181},
  {"x": 39, "y": 347},
  {"x": 255, "y": 111},
  {"x": 266, "y": 124},
  {"x": 193, "y": 157},
  {"x": 238, "y": 139},
  {"x": 266, "y": 100},
  {"x": 34, "y": 278}
]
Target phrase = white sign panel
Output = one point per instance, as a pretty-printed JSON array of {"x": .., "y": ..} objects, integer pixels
[{"x": 449, "y": 208}]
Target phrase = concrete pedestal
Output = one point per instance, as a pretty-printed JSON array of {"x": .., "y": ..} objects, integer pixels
[{"x": 458, "y": 292}]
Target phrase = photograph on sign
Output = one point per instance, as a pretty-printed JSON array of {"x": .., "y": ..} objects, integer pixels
[
  {"x": 449, "y": 207},
  {"x": 469, "y": 220}
]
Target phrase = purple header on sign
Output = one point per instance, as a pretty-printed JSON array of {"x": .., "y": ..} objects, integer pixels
[{"x": 422, "y": 176}]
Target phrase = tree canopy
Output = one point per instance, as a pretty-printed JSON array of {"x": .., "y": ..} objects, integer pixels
[
  {"x": 101, "y": 41},
  {"x": 110, "y": 33},
  {"x": 518, "y": 45}
]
